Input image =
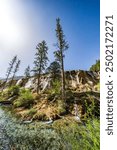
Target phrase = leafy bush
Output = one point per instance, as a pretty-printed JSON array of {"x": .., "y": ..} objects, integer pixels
[
  {"x": 61, "y": 107},
  {"x": 79, "y": 136},
  {"x": 96, "y": 66},
  {"x": 63, "y": 134},
  {"x": 91, "y": 107},
  {"x": 13, "y": 90},
  {"x": 56, "y": 86},
  {"x": 25, "y": 99}
]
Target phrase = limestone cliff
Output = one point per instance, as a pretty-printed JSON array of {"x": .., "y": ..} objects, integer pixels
[{"x": 76, "y": 80}]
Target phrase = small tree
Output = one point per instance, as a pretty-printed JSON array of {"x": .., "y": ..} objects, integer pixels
[
  {"x": 61, "y": 45},
  {"x": 40, "y": 62},
  {"x": 27, "y": 72},
  {"x": 9, "y": 70},
  {"x": 96, "y": 66},
  {"x": 54, "y": 70},
  {"x": 15, "y": 70}
]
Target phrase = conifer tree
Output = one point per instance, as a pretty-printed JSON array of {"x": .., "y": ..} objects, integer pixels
[
  {"x": 40, "y": 62},
  {"x": 27, "y": 72},
  {"x": 96, "y": 66},
  {"x": 61, "y": 45},
  {"x": 15, "y": 70},
  {"x": 54, "y": 70},
  {"x": 9, "y": 70}
]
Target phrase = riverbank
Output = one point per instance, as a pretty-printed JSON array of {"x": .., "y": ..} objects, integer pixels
[
  {"x": 46, "y": 122},
  {"x": 65, "y": 134}
]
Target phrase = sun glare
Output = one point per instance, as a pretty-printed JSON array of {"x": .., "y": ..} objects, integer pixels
[{"x": 10, "y": 30}]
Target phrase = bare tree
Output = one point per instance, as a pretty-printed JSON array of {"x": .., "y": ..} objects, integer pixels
[
  {"x": 9, "y": 70},
  {"x": 15, "y": 71}
]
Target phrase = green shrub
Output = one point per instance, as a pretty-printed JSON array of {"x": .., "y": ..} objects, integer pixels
[
  {"x": 13, "y": 90},
  {"x": 96, "y": 66},
  {"x": 56, "y": 86},
  {"x": 61, "y": 107},
  {"x": 25, "y": 99},
  {"x": 91, "y": 107},
  {"x": 79, "y": 136}
]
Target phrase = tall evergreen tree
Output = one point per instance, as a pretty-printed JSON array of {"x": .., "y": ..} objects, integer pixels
[
  {"x": 15, "y": 70},
  {"x": 61, "y": 45},
  {"x": 40, "y": 62},
  {"x": 27, "y": 72},
  {"x": 9, "y": 70}
]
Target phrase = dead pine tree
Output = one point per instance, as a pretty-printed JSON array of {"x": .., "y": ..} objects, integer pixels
[
  {"x": 15, "y": 71},
  {"x": 9, "y": 70},
  {"x": 61, "y": 46},
  {"x": 40, "y": 62}
]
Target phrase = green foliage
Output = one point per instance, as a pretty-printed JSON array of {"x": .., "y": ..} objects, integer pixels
[
  {"x": 79, "y": 136},
  {"x": 27, "y": 72},
  {"x": 41, "y": 58},
  {"x": 30, "y": 137},
  {"x": 56, "y": 87},
  {"x": 40, "y": 62},
  {"x": 13, "y": 91},
  {"x": 61, "y": 107},
  {"x": 24, "y": 100},
  {"x": 63, "y": 134},
  {"x": 96, "y": 66},
  {"x": 55, "y": 90},
  {"x": 54, "y": 70},
  {"x": 61, "y": 45},
  {"x": 91, "y": 108}
]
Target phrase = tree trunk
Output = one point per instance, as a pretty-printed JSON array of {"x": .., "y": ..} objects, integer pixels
[
  {"x": 12, "y": 79},
  {"x": 63, "y": 79},
  {"x": 38, "y": 83}
]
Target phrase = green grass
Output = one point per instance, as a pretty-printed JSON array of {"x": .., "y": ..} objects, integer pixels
[{"x": 79, "y": 136}]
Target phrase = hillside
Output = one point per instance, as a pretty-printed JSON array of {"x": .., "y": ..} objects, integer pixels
[{"x": 81, "y": 89}]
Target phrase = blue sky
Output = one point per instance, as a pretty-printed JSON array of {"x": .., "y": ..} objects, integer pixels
[{"x": 25, "y": 23}]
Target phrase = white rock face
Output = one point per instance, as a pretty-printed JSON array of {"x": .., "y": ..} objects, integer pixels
[
  {"x": 30, "y": 83},
  {"x": 45, "y": 82},
  {"x": 81, "y": 80},
  {"x": 19, "y": 82}
]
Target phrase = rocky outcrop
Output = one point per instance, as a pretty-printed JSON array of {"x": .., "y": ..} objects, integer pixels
[
  {"x": 82, "y": 80},
  {"x": 78, "y": 80}
]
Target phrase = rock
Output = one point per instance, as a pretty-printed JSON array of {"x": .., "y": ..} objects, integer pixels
[
  {"x": 11, "y": 99},
  {"x": 77, "y": 80},
  {"x": 27, "y": 121}
]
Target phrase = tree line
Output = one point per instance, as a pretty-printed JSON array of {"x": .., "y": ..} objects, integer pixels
[{"x": 41, "y": 60}]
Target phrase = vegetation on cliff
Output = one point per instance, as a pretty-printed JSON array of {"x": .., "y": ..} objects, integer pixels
[
  {"x": 96, "y": 66},
  {"x": 60, "y": 109}
]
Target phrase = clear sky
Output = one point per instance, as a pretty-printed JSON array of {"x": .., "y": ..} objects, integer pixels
[{"x": 25, "y": 23}]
